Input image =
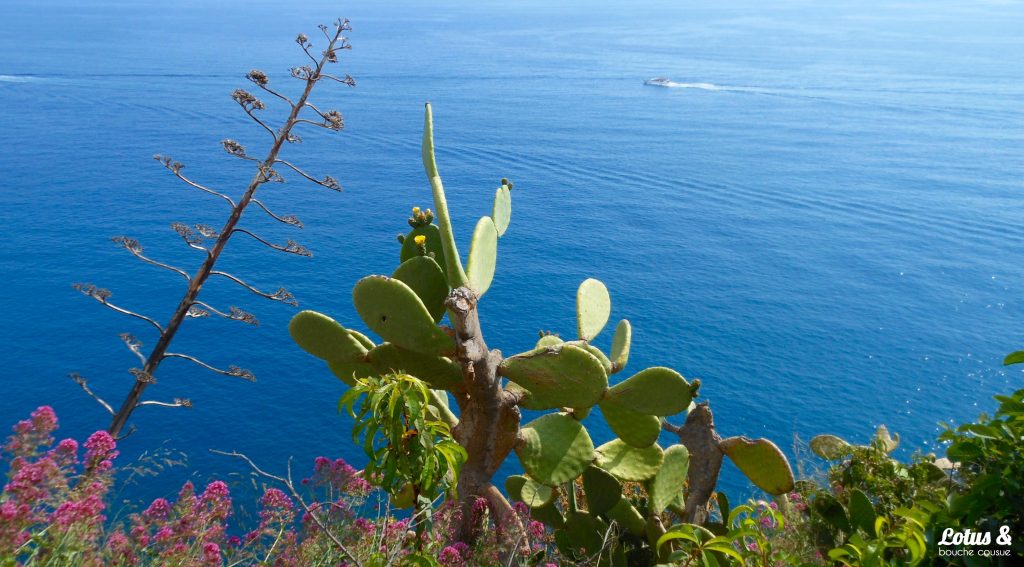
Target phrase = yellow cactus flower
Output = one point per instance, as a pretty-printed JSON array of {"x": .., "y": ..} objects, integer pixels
[
  {"x": 415, "y": 210},
  {"x": 420, "y": 240}
]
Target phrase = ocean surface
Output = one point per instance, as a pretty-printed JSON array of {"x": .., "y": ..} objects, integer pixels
[{"x": 821, "y": 218}]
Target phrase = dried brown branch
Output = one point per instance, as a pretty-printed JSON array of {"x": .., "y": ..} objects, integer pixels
[
  {"x": 134, "y": 345},
  {"x": 133, "y": 246},
  {"x": 176, "y": 167},
  {"x": 287, "y": 483},
  {"x": 234, "y": 313},
  {"x": 189, "y": 237},
  {"x": 78, "y": 379},
  {"x": 177, "y": 403},
  {"x": 328, "y": 181},
  {"x": 101, "y": 295},
  {"x": 290, "y": 246},
  {"x": 287, "y": 219},
  {"x": 281, "y": 294},
  {"x": 231, "y": 371}
]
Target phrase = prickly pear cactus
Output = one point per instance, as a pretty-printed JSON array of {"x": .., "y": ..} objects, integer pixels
[{"x": 426, "y": 316}]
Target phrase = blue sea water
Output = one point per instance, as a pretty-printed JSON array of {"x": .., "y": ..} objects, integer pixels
[{"x": 821, "y": 220}]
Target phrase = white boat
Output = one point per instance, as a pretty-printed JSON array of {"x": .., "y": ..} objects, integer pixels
[{"x": 658, "y": 81}]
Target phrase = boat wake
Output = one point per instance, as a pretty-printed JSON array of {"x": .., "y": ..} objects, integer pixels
[{"x": 670, "y": 84}]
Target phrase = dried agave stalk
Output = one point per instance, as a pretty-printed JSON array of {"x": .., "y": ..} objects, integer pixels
[{"x": 301, "y": 112}]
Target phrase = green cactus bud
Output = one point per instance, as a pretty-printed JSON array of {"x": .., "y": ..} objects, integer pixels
[
  {"x": 535, "y": 494},
  {"x": 504, "y": 180},
  {"x": 628, "y": 517},
  {"x": 483, "y": 256},
  {"x": 549, "y": 341},
  {"x": 395, "y": 312},
  {"x": 602, "y": 490},
  {"x": 671, "y": 477},
  {"x": 637, "y": 429},
  {"x": 323, "y": 337},
  {"x": 401, "y": 238},
  {"x": 437, "y": 371},
  {"x": 566, "y": 376},
  {"x": 762, "y": 462},
  {"x": 427, "y": 280},
  {"x": 625, "y": 462},
  {"x": 655, "y": 391},
  {"x": 830, "y": 447},
  {"x": 620, "y": 345},
  {"x": 555, "y": 448},
  {"x": 501, "y": 212},
  {"x": 593, "y": 307}
]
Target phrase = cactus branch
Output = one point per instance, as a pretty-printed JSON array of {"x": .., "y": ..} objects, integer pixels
[
  {"x": 264, "y": 173},
  {"x": 700, "y": 438},
  {"x": 456, "y": 274}
]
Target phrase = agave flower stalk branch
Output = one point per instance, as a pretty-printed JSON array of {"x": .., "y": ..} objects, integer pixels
[{"x": 159, "y": 352}]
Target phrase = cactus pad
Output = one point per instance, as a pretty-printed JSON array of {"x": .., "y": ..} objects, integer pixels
[
  {"x": 535, "y": 494},
  {"x": 607, "y": 364},
  {"x": 620, "y": 345},
  {"x": 527, "y": 400},
  {"x": 483, "y": 256},
  {"x": 363, "y": 339},
  {"x": 830, "y": 447},
  {"x": 762, "y": 462},
  {"x": 433, "y": 245},
  {"x": 395, "y": 312},
  {"x": 585, "y": 533},
  {"x": 637, "y": 429},
  {"x": 565, "y": 376},
  {"x": 602, "y": 490},
  {"x": 502, "y": 211},
  {"x": 628, "y": 517},
  {"x": 654, "y": 391},
  {"x": 514, "y": 486},
  {"x": 323, "y": 337},
  {"x": 348, "y": 370},
  {"x": 671, "y": 477},
  {"x": 593, "y": 307},
  {"x": 426, "y": 278},
  {"x": 555, "y": 448},
  {"x": 549, "y": 341},
  {"x": 436, "y": 371},
  {"x": 629, "y": 463}
]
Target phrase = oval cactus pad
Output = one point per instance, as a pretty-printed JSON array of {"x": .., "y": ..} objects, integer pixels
[
  {"x": 629, "y": 463},
  {"x": 655, "y": 391},
  {"x": 668, "y": 483},
  {"x": 483, "y": 256},
  {"x": 593, "y": 307},
  {"x": 502, "y": 211},
  {"x": 395, "y": 312},
  {"x": 620, "y": 345},
  {"x": 762, "y": 462},
  {"x": 555, "y": 449},
  {"x": 424, "y": 276},
  {"x": 637, "y": 429},
  {"x": 323, "y": 337},
  {"x": 433, "y": 244},
  {"x": 565, "y": 376}
]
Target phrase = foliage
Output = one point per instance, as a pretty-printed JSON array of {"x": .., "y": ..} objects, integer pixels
[
  {"x": 412, "y": 454},
  {"x": 54, "y": 507},
  {"x": 989, "y": 492}
]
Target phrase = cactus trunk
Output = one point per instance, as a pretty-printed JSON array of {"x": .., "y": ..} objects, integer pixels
[{"x": 489, "y": 419}]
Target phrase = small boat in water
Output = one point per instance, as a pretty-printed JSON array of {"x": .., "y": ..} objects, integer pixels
[{"x": 658, "y": 82}]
